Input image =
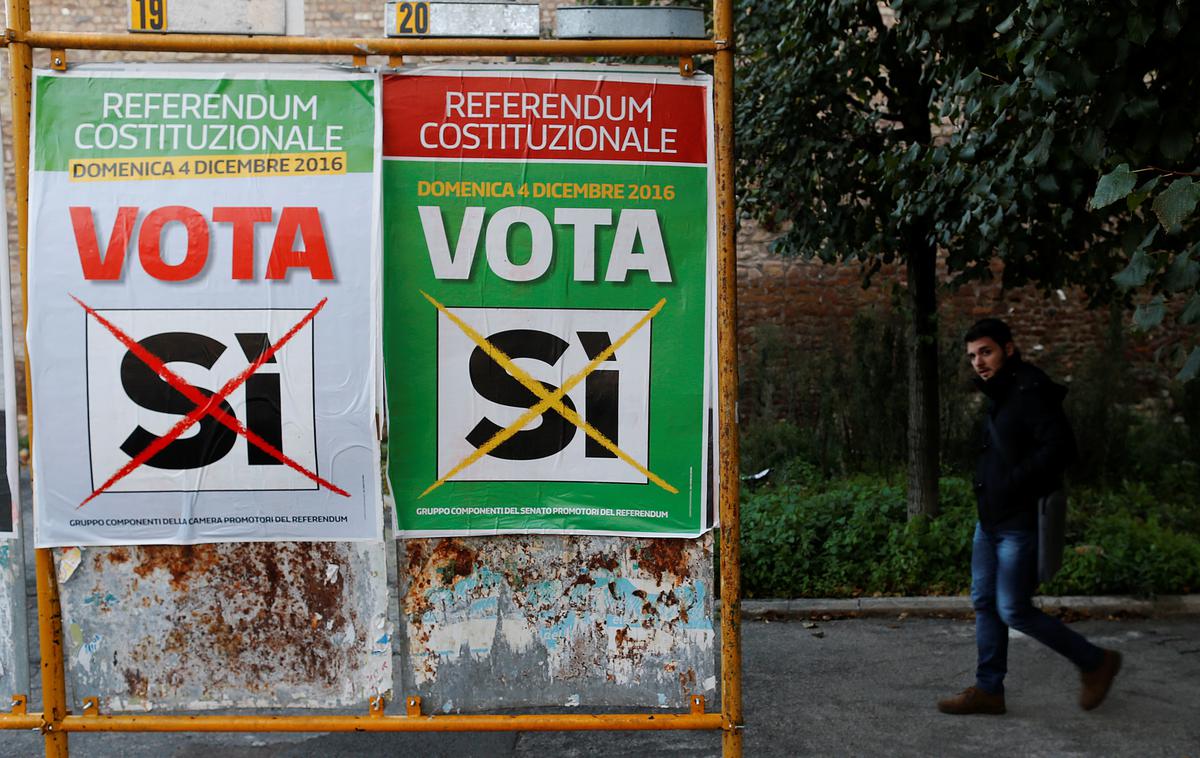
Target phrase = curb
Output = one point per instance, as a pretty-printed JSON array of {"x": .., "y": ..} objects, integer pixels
[{"x": 874, "y": 607}]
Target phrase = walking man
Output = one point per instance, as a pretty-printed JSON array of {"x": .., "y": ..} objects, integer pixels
[{"x": 1027, "y": 444}]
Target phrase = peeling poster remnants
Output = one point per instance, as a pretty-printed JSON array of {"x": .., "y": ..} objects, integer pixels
[
  {"x": 230, "y": 625},
  {"x": 543, "y": 620}
]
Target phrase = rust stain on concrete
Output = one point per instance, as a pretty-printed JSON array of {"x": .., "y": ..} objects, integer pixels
[{"x": 660, "y": 558}]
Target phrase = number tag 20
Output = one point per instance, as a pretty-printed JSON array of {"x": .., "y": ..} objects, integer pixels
[{"x": 412, "y": 18}]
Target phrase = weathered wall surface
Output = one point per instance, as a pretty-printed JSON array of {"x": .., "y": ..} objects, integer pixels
[
  {"x": 14, "y": 656},
  {"x": 300, "y": 625},
  {"x": 484, "y": 623},
  {"x": 542, "y": 620}
]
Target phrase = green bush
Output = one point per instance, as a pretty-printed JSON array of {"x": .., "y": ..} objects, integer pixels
[
  {"x": 1120, "y": 553},
  {"x": 812, "y": 538},
  {"x": 850, "y": 537}
]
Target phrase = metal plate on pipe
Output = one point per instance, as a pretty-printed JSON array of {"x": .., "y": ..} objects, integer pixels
[
  {"x": 237, "y": 625},
  {"x": 217, "y": 16},
  {"x": 648, "y": 22},
  {"x": 462, "y": 18},
  {"x": 554, "y": 620}
]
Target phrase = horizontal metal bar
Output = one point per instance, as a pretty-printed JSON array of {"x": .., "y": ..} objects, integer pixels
[
  {"x": 21, "y": 721},
  {"x": 221, "y": 43},
  {"x": 525, "y": 722}
]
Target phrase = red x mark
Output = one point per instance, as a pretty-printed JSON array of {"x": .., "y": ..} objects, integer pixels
[{"x": 205, "y": 406}]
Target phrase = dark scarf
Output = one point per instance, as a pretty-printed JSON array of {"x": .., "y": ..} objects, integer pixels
[{"x": 998, "y": 387}]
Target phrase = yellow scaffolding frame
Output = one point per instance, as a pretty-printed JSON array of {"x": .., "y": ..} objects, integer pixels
[{"x": 56, "y": 720}]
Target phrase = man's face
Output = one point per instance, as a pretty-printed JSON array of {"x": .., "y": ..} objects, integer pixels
[{"x": 986, "y": 356}]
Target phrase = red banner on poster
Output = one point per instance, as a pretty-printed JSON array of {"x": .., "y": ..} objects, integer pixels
[{"x": 550, "y": 118}]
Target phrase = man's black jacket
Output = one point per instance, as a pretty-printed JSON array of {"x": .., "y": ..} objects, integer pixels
[{"x": 1028, "y": 449}]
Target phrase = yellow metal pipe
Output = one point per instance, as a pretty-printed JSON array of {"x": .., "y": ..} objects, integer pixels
[
  {"x": 475, "y": 723},
  {"x": 54, "y": 691},
  {"x": 731, "y": 575},
  {"x": 220, "y": 43},
  {"x": 50, "y": 638},
  {"x": 20, "y": 721}
]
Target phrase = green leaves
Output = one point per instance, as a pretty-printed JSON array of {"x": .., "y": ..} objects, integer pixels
[
  {"x": 1191, "y": 367},
  {"x": 1183, "y": 273},
  {"x": 1176, "y": 203},
  {"x": 1041, "y": 151},
  {"x": 1113, "y": 186},
  {"x": 1191, "y": 311},
  {"x": 1140, "y": 27},
  {"x": 1149, "y": 315},
  {"x": 1135, "y": 274},
  {"x": 1174, "y": 209},
  {"x": 1176, "y": 140},
  {"x": 1135, "y": 199}
]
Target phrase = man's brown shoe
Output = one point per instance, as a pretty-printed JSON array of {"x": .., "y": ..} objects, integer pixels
[
  {"x": 1097, "y": 683},
  {"x": 973, "y": 700}
]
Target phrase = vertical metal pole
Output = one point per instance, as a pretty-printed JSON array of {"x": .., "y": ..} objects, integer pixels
[
  {"x": 731, "y": 574},
  {"x": 50, "y": 642},
  {"x": 54, "y": 692}
]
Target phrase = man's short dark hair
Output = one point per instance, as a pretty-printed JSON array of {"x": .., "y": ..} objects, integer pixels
[{"x": 992, "y": 328}]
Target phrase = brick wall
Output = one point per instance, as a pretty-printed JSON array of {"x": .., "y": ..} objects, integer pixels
[{"x": 813, "y": 301}]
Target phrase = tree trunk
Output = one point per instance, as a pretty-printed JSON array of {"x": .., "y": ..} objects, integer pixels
[{"x": 923, "y": 431}]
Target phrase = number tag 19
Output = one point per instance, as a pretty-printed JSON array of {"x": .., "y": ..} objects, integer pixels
[
  {"x": 148, "y": 16},
  {"x": 411, "y": 18}
]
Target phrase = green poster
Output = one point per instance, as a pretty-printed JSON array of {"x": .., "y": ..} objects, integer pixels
[{"x": 548, "y": 254}]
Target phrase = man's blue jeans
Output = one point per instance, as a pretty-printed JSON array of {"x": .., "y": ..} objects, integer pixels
[{"x": 1003, "y": 578}]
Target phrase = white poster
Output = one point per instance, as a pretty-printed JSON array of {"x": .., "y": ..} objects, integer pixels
[
  {"x": 550, "y": 343},
  {"x": 203, "y": 299}
]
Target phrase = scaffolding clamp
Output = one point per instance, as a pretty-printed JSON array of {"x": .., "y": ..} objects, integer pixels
[{"x": 375, "y": 706}]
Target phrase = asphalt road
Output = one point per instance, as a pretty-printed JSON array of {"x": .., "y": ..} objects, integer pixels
[{"x": 853, "y": 687}]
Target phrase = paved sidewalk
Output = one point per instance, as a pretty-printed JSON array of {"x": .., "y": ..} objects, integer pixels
[{"x": 866, "y": 607}]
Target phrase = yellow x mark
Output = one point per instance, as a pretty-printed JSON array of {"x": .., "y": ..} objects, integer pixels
[{"x": 548, "y": 399}]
